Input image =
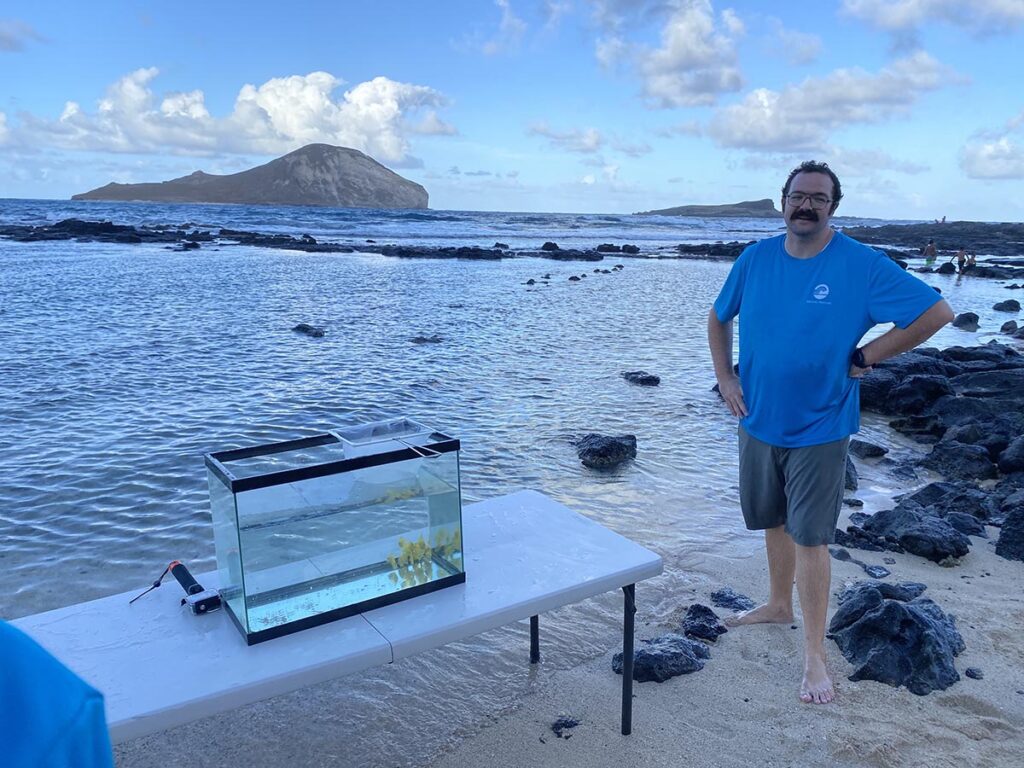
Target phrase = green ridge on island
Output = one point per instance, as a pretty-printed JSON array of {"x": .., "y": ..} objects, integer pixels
[
  {"x": 759, "y": 209},
  {"x": 317, "y": 174}
]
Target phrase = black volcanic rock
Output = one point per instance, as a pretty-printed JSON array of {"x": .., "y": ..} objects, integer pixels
[
  {"x": 968, "y": 321},
  {"x": 317, "y": 174},
  {"x": 310, "y": 330},
  {"x": 1011, "y": 537},
  {"x": 892, "y": 639},
  {"x": 701, "y": 623},
  {"x": 603, "y": 451},
  {"x": 642, "y": 378},
  {"x": 664, "y": 657}
]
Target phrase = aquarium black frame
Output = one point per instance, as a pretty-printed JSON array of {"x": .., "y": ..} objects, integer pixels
[
  {"x": 215, "y": 462},
  {"x": 262, "y": 635}
]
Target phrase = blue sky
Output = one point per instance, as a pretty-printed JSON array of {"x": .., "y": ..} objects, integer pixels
[{"x": 531, "y": 105}]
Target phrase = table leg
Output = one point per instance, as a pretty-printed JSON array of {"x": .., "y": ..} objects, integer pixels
[
  {"x": 534, "y": 639},
  {"x": 629, "y": 602}
]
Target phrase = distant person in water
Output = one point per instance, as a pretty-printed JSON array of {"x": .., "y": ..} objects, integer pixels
[
  {"x": 961, "y": 260},
  {"x": 805, "y": 299},
  {"x": 929, "y": 253},
  {"x": 972, "y": 261}
]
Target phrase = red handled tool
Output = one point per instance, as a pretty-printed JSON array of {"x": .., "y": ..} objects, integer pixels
[{"x": 198, "y": 600}]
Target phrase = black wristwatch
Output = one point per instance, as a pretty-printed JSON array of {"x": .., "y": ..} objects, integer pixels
[{"x": 857, "y": 358}]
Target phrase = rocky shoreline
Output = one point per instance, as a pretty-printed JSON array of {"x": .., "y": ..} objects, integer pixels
[{"x": 1003, "y": 243}]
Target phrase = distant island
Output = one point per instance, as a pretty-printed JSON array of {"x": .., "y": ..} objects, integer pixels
[
  {"x": 317, "y": 174},
  {"x": 760, "y": 209}
]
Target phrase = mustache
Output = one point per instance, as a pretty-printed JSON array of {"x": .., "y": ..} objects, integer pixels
[{"x": 810, "y": 215}]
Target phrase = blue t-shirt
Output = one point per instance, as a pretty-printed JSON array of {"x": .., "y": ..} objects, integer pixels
[
  {"x": 49, "y": 718},
  {"x": 800, "y": 320}
]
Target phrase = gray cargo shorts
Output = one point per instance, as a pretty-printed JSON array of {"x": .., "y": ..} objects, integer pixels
[{"x": 799, "y": 488}]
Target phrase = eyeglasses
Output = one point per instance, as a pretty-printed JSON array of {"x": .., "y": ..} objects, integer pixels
[{"x": 818, "y": 201}]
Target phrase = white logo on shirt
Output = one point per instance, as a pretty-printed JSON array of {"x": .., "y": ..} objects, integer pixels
[{"x": 820, "y": 292}]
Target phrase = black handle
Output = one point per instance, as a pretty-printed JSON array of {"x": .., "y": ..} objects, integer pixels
[{"x": 180, "y": 572}]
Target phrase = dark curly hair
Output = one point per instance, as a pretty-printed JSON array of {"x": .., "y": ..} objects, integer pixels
[{"x": 813, "y": 166}]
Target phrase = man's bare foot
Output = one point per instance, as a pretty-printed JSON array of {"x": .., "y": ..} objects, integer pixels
[
  {"x": 763, "y": 614},
  {"x": 816, "y": 687}
]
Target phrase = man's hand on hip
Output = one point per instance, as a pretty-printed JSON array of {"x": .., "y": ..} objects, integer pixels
[{"x": 732, "y": 392}]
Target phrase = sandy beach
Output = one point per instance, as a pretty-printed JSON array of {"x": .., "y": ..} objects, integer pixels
[{"x": 742, "y": 708}]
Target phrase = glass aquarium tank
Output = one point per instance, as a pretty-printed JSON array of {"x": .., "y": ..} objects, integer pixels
[{"x": 312, "y": 530}]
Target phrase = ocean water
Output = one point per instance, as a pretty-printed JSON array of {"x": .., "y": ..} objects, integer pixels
[{"x": 120, "y": 366}]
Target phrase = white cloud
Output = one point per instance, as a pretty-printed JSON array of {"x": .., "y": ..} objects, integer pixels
[
  {"x": 589, "y": 180},
  {"x": 554, "y": 11},
  {"x": 861, "y": 162},
  {"x": 801, "y": 117},
  {"x": 510, "y": 31},
  {"x": 795, "y": 47},
  {"x": 14, "y": 34},
  {"x": 696, "y": 60},
  {"x": 432, "y": 125},
  {"x": 611, "y": 51},
  {"x": 907, "y": 15},
  {"x": 630, "y": 149},
  {"x": 278, "y": 116},
  {"x": 584, "y": 140},
  {"x": 996, "y": 155},
  {"x": 686, "y": 128}
]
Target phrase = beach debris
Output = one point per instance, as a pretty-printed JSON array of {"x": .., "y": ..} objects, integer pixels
[
  {"x": 310, "y": 330},
  {"x": 701, "y": 623},
  {"x": 604, "y": 451},
  {"x": 726, "y": 597},
  {"x": 563, "y": 725},
  {"x": 641, "y": 378},
  {"x": 974, "y": 673},
  {"x": 967, "y": 321},
  {"x": 874, "y": 571},
  {"x": 550, "y": 246},
  {"x": 665, "y": 657},
  {"x": 862, "y": 449},
  {"x": 435, "y": 339},
  {"x": 893, "y": 635},
  {"x": 1010, "y": 305},
  {"x": 1011, "y": 538}
]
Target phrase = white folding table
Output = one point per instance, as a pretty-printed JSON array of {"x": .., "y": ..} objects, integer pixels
[{"x": 158, "y": 666}]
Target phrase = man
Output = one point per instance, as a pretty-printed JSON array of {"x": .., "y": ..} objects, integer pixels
[
  {"x": 929, "y": 253},
  {"x": 804, "y": 301}
]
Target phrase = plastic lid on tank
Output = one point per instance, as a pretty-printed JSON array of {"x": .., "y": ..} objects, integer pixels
[{"x": 378, "y": 431}]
